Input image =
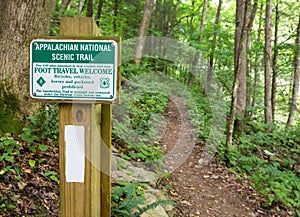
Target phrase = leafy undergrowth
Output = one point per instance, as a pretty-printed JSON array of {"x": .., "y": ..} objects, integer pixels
[
  {"x": 29, "y": 162},
  {"x": 135, "y": 133},
  {"x": 272, "y": 161},
  {"x": 28, "y": 178},
  {"x": 29, "y": 168}
]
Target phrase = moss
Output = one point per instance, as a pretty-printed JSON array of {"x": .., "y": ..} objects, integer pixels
[{"x": 10, "y": 120}]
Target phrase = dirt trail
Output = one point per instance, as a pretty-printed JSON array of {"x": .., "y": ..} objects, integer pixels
[{"x": 211, "y": 190}]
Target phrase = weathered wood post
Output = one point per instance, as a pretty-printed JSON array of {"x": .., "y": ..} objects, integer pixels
[
  {"x": 84, "y": 116},
  {"x": 91, "y": 198}
]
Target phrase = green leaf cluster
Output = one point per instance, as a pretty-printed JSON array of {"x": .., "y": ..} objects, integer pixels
[
  {"x": 44, "y": 124},
  {"x": 8, "y": 149},
  {"x": 142, "y": 121},
  {"x": 271, "y": 159},
  {"x": 126, "y": 197},
  {"x": 144, "y": 107}
]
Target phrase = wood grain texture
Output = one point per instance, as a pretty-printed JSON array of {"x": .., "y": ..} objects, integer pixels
[{"x": 91, "y": 198}]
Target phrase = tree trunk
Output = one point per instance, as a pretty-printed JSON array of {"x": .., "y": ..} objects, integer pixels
[
  {"x": 64, "y": 6},
  {"x": 21, "y": 20},
  {"x": 257, "y": 65},
  {"x": 249, "y": 44},
  {"x": 195, "y": 64},
  {"x": 212, "y": 53},
  {"x": 240, "y": 53},
  {"x": 274, "y": 63},
  {"x": 80, "y": 7},
  {"x": 99, "y": 12},
  {"x": 268, "y": 64},
  {"x": 241, "y": 64},
  {"x": 203, "y": 17},
  {"x": 89, "y": 8},
  {"x": 293, "y": 107},
  {"x": 172, "y": 21},
  {"x": 143, "y": 30},
  {"x": 116, "y": 9}
]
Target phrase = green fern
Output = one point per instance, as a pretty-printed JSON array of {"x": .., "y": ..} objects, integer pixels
[
  {"x": 152, "y": 206},
  {"x": 126, "y": 197}
]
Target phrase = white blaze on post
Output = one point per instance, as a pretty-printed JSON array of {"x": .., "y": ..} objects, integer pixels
[{"x": 75, "y": 153}]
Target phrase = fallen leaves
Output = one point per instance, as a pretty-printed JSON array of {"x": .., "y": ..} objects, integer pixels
[{"x": 25, "y": 190}]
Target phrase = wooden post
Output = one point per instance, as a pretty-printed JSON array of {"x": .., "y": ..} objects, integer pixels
[{"x": 92, "y": 197}]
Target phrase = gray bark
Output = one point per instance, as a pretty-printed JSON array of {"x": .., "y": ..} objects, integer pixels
[
  {"x": 240, "y": 46},
  {"x": 268, "y": 64},
  {"x": 64, "y": 6},
  {"x": 293, "y": 106},
  {"x": 21, "y": 20},
  {"x": 212, "y": 53},
  {"x": 143, "y": 30},
  {"x": 257, "y": 66},
  {"x": 274, "y": 62},
  {"x": 203, "y": 17}
]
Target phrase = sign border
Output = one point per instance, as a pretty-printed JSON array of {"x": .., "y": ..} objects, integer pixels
[{"x": 83, "y": 100}]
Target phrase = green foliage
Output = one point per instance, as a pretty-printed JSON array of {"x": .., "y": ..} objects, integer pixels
[
  {"x": 54, "y": 25},
  {"x": 52, "y": 175},
  {"x": 126, "y": 197},
  {"x": 6, "y": 205},
  {"x": 142, "y": 121},
  {"x": 31, "y": 163},
  {"x": 28, "y": 135},
  {"x": 130, "y": 69},
  {"x": 270, "y": 158},
  {"x": 279, "y": 186},
  {"x": 44, "y": 125},
  {"x": 145, "y": 153},
  {"x": 144, "y": 107},
  {"x": 152, "y": 206},
  {"x": 204, "y": 112},
  {"x": 43, "y": 147},
  {"x": 8, "y": 149}
]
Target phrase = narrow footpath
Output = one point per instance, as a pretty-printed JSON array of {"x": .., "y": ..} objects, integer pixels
[{"x": 211, "y": 190}]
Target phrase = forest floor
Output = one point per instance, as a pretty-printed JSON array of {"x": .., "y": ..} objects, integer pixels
[{"x": 211, "y": 190}]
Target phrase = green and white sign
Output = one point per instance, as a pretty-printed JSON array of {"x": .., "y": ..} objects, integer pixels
[{"x": 73, "y": 69}]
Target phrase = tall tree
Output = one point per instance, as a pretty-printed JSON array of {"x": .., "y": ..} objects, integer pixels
[
  {"x": 19, "y": 21},
  {"x": 268, "y": 64},
  {"x": 64, "y": 6},
  {"x": 242, "y": 20},
  {"x": 89, "y": 8},
  {"x": 212, "y": 52},
  {"x": 143, "y": 30},
  {"x": 172, "y": 20},
  {"x": 293, "y": 106},
  {"x": 116, "y": 10},
  {"x": 274, "y": 62},
  {"x": 203, "y": 17},
  {"x": 240, "y": 61},
  {"x": 257, "y": 64},
  {"x": 99, "y": 12},
  {"x": 80, "y": 7},
  {"x": 244, "y": 24},
  {"x": 195, "y": 62},
  {"x": 248, "y": 57}
]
